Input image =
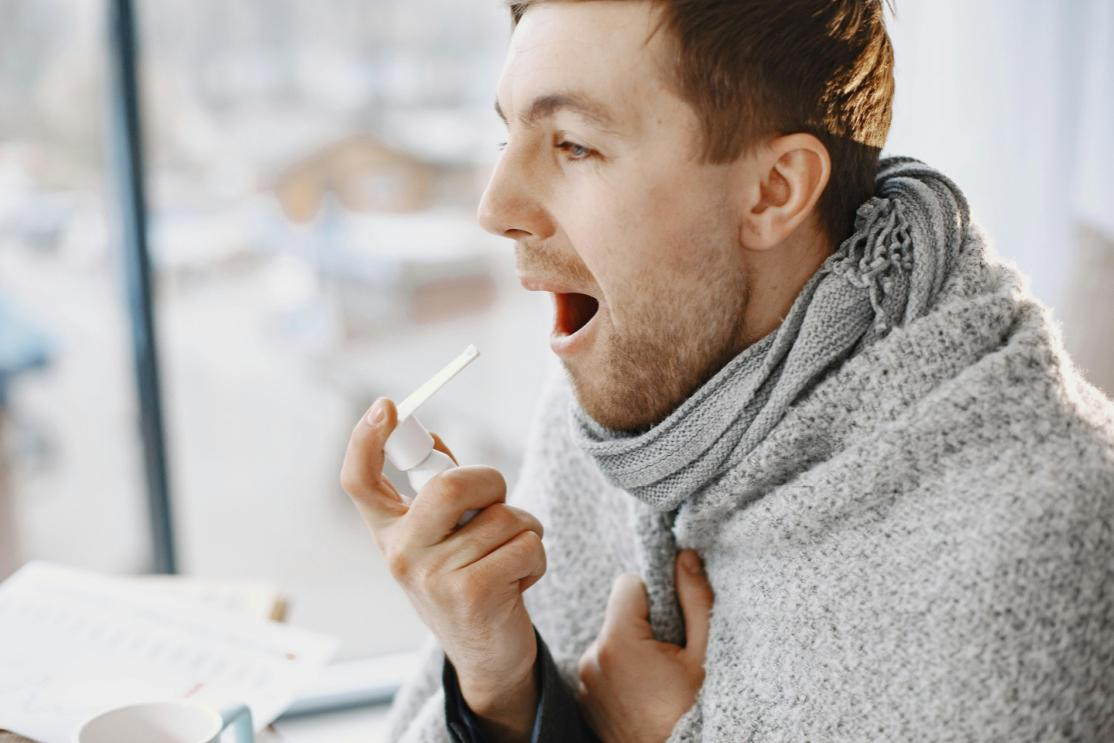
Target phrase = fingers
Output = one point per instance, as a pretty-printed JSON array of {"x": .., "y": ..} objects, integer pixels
[
  {"x": 439, "y": 505},
  {"x": 521, "y": 560},
  {"x": 694, "y": 593},
  {"x": 587, "y": 668},
  {"x": 440, "y": 446},
  {"x": 628, "y": 609},
  {"x": 361, "y": 474},
  {"x": 589, "y": 682},
  {"x": 492, "y": 528},
  {"x": 530, "y": 580}
]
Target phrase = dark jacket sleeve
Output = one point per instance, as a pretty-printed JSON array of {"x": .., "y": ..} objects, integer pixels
[{"x": 557, "y": 719}]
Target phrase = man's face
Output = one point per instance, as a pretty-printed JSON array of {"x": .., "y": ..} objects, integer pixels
[{"x": 602, "y": 187}]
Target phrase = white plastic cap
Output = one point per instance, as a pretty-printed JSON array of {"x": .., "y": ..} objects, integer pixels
[{"x": 409, "y": 444}]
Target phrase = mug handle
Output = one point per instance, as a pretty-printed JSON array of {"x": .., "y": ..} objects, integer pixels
[{"x": 238, "y": 718}]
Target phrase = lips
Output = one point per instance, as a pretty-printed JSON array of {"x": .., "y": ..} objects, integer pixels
[{"x": 575, "y": 314}]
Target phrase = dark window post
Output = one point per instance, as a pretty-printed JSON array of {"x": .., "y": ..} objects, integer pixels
[{"x": 127, "y": 163}]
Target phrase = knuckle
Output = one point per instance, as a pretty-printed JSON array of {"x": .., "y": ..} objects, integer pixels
[
  {"x": 526, "y": 551},
  {"x": 489, "y": 480},
  {"x": 517, "y": 548},
  {"x": 452, "y": 488},
  {"x": 351, "y": 482},
  {"x": 438, "y": 588},
  {"x": 399, "y": 564},
  {"x": 467, "y": 596},
  {"x": 532, "y": 544},
  {"x": 503, "y": 517},
  {"x": 449, "y": 487},
  {"x": 606, "y": 653},
  {"x": 524, "y": 519},
  {"x": 584, "y": 665},
  {"x": 496, "y": 481}
]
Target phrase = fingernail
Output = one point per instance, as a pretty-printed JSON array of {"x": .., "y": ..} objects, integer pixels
[
  {"x": 377, "y": 414},
  {"x": 692, "y": 562}
]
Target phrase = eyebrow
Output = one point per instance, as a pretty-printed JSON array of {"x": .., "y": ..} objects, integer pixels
[{"x": 548, "y": 105}]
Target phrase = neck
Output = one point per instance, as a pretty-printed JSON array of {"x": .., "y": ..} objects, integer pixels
[{"x": 776, "y": 276}]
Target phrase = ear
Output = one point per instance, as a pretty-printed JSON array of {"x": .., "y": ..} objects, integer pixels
[{"x": 793, "y": 171}]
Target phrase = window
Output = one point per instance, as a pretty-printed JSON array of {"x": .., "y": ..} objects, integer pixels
[{"x": 312, "y": 174}]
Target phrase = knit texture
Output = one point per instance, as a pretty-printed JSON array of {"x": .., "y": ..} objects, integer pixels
[
  {"x": 906, "y": 240},
  {"x": 919, "y": 547}
]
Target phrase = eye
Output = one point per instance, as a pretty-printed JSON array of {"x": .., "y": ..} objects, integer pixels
[
  {"x": 574, "y": 151},
  {"x": 502, "y": 146}
]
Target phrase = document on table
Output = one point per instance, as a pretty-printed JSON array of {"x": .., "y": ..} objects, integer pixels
[{"x": 73, "y": 643}]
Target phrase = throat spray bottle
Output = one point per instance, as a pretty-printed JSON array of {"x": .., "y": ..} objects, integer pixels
[{"x": 410, "y": 446}]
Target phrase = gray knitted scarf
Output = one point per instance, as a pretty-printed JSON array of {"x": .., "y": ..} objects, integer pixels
[
  {"x": 903, "y": 497},
  {"x": 907, "y": 238},
  {"x": 887, "y": 273}
]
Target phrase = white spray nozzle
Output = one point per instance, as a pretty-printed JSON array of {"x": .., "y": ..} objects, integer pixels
[
  {"x": 410, "y": 443},
  {"x": 407, "y": 407}
]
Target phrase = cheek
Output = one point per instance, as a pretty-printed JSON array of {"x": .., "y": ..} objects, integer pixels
[
  {"x": 607, "y": 236},
  {"x": 687, "y": 221},
  {"x": 646, "y": 233}
]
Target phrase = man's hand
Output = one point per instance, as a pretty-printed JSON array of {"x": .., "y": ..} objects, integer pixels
[
  {"x": 634, "y": 689},
  {"x": 466, "y": 583}
]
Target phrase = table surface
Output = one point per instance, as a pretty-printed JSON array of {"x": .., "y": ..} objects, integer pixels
[{"x": 363, "y": 725}]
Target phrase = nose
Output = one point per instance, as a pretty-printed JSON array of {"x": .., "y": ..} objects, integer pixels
[{"x": 511, "y": 205}]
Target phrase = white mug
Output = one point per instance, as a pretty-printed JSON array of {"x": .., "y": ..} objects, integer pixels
[{"x": 166, "y": 722}]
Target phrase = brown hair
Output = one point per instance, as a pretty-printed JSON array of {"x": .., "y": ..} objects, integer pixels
[{"x": 758, "y": 68}]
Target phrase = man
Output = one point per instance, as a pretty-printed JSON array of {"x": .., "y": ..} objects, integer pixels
[{"x": 785, "y": 361}]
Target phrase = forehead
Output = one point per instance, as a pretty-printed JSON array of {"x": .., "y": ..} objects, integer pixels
[{"x": 611, "y": 51}]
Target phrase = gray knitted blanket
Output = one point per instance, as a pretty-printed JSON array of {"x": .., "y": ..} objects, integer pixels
[{"x": 904, "y": 498}]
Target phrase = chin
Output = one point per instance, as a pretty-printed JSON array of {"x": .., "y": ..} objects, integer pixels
[
  {"x": 622, "y": 406},
  {"x": 630, "y": 388}
]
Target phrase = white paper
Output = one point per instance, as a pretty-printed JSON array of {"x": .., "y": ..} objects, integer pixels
[
  {"x": 244, "y": 597},
  {"x": 73, "y": 643}
]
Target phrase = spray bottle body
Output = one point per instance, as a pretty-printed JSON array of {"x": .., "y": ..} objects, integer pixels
[
  {"x": 410, "y": 449},
  {"x": 434, "y": 464}
]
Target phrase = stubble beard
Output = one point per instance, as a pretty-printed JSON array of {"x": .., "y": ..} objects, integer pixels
[{"x": 642, "y": 372}]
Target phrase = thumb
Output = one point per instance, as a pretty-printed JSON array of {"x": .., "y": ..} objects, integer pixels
[
  {"x": 628, "y": 610},
  {"x": 361, "y": 475},
  {"x": 694, "y": 592}
]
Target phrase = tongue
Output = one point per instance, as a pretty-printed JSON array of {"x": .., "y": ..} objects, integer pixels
[{"x": 575, "y": 311}]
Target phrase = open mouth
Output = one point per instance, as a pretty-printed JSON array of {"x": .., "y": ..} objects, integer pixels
[{"x": 574, "y": 311}]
